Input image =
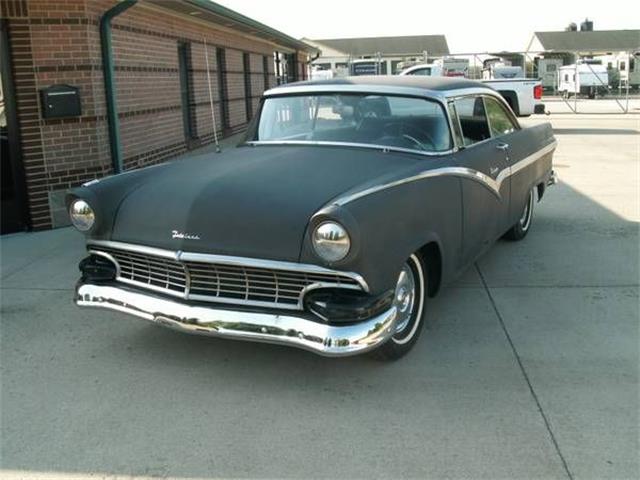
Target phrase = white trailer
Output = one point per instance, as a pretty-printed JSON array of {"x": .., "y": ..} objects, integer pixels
[
  {"x": 443, "y": 67},
  {"x": 453, "y": 67},
  {"x": 424, "y": 70},
  {"x": 368, "y": 66},
  {"x": 548, "y": 71},
  {"x": 629, "y": 67},
  {"x": 586, "y": 79},
  {"x": 497, "y": 70}
]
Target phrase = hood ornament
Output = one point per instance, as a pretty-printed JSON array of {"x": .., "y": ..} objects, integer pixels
[{"x": 184, "y": 236}]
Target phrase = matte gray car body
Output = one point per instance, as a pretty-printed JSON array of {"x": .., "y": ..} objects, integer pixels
[{"x": 263, "y": 199}]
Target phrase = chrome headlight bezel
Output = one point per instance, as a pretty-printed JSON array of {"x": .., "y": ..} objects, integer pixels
[
  {"x": 331, "y": 241},
  {"x": 83, "y": 217}
]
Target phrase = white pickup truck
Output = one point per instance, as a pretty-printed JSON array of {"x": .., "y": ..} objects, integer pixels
[{"x": 523, "y": 95}]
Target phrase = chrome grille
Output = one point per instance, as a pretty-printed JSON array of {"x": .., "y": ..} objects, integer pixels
[
  {"x": 154, "y": 271},
  {"x": 218, "y": 281}
]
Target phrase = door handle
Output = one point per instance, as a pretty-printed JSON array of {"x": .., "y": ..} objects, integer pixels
[{"x": 503, "y": 146}]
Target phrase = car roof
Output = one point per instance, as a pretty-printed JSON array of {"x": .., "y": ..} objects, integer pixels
[{"x": 435, "y": 86}]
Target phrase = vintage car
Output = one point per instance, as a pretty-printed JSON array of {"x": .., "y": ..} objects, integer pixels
[{"x": 349, "y": 204}]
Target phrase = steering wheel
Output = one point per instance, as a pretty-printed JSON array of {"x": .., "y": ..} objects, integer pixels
[{"x": 418, "y": 137}]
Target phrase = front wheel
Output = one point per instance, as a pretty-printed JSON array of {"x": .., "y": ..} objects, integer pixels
[
  {"x": 409, "y": 300},
  {"x": 523, "y": 225}
]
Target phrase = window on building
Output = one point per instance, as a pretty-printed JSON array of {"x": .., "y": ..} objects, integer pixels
[
  {"x": 292, "y": 67},
  {"x": 221, "y": 64},
  {"x": 265, "y": 72},
  {"x": 281, "y": 67},
  {"x": 394, "y": 66},
  {"x": 473, "y": 119},
  {"x": 551, "y": 67},
  {"x": 623, "y": 66},
  {"x": 499, "y": 121},
  {"x": 246, "y": 70},
  {"x": 186, "y": 90}
]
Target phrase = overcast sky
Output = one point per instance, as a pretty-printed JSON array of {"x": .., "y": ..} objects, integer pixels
[{"x": 470, "y": 26}]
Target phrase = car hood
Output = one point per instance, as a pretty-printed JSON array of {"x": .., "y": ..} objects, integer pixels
[{"x": 249, "y": 201}]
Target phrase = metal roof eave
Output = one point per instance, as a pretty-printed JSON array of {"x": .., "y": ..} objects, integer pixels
[{"x": 256, "y": 28}]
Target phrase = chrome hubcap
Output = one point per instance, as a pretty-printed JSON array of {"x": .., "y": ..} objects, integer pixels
[
  {"x": 404, "y": 297},
  {"x": 526, "y": 214}
]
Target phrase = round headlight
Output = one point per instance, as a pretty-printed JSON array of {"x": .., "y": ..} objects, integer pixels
[
  {"x": 331, "y": 241},
  {"x": 82, "y": 215}
]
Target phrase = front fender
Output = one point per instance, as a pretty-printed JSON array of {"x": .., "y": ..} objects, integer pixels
[{"x": 389, "y": 225}]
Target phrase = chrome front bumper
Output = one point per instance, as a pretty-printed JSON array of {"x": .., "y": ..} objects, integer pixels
[{"x": 288, "y": 329}]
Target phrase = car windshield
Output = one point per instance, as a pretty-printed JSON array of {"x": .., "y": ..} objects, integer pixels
[{"x": 381, "y": 120}]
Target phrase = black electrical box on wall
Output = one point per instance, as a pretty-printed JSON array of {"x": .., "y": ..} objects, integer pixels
[{"x": 59, "y": 101}]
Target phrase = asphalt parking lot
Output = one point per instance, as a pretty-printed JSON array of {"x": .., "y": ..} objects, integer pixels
[{"x": 529, "y": 366}]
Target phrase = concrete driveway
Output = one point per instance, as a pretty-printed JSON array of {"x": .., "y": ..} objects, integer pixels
[{"x": 529, "y": 367}]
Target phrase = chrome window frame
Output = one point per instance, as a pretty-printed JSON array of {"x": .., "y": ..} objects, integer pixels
[
  {"x": 454, "y": 123},
  {"x": 411, "y": 92},
  {"x": 483, "y": 94}
]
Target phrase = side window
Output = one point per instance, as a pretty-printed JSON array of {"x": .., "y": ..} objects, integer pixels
[
  {"x": 473, "y": 119},
  {"x": 499, "y": 121}
]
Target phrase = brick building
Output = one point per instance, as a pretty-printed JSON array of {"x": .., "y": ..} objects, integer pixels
[{"x": 158, "y": 107}]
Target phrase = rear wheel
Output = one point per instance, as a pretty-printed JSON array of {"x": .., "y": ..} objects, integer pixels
[
  {"x": 520, "y": 229},
  {"x": 410, "y": 295}
]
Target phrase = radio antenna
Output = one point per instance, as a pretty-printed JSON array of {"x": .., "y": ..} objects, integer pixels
[{"x": 213, "y": 113}]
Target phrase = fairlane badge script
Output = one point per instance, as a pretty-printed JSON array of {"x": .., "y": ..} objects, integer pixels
[{"x": 184, "y": 236}]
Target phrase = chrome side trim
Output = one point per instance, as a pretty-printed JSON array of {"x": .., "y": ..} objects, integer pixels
[
  {"x": 291, "y": 330},
  {"x": 372, "y": 146},
  {"x": 492, "y": 184}
]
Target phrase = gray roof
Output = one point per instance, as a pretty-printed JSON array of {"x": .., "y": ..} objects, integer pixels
[
  {"x": 414, "y": 44},
  {"x": 593, "y": 41}
]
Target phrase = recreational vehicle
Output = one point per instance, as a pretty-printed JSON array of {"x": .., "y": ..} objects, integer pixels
[{"x": 587, "y": 79}]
